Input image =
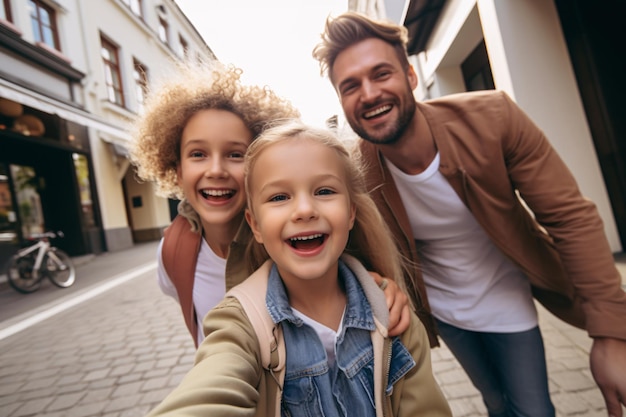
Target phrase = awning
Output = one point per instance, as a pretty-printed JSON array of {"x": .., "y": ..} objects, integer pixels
[{"x": 40, "y": 102}]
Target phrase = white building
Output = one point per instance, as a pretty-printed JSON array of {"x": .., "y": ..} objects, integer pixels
[
  {"x": 73, "y": 74},
  {"x": 560, "y": 60}
]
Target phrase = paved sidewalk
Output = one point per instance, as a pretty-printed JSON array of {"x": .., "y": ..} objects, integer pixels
[{"x": 118, "y": 354}]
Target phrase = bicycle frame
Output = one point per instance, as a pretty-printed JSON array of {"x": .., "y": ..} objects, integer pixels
[{"x": 42, "y": 246}]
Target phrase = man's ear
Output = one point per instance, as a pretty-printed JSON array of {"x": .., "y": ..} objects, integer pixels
[
  {"x": 412, "y": 77},
  {"x": 253, "y": 225}
]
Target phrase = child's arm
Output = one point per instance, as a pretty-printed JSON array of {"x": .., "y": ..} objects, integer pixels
[
  {"x": 398, "y": 304},
  {"x": 226, "y": 373}
]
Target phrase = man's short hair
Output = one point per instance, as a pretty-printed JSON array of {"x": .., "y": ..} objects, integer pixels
[{"x": 350, "y": 28}]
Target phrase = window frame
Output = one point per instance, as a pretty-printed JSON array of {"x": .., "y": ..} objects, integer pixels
[
  {"x": 38, "y": 25},
  {"x": 6, "y": 11},
  {"x": 112, "y": 72},
  {"x": 135, "y": 6},
  {"x": 164, "y": 30},
  {"x": 184, "y": 46},
  {"x": 140, "y": 77}
]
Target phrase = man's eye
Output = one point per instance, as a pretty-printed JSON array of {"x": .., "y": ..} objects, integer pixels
[
  {"x": 382, "y": 74},
  {"x": 348, "y": 89}
]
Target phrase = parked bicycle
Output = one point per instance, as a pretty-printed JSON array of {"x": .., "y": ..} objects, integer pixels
[{"x": 30, "y": 265}]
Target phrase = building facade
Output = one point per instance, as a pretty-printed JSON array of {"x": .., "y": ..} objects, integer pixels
[
  {"x": 73, "y": 75},
  {"x": 560, "y": 60}
]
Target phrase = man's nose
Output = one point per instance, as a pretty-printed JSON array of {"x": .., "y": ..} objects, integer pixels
[{"x": 370, "y": 92}]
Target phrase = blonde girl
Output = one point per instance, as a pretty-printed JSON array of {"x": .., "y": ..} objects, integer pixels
[{"x": 319, "y": 230}]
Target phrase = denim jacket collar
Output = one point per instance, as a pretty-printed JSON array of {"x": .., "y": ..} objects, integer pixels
[{"x": 358, "y": 312}]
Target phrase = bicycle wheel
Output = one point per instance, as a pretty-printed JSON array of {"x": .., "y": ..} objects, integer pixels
[
  {"x": 59, "y": 268},
  {"x": 20, "y": 274}
]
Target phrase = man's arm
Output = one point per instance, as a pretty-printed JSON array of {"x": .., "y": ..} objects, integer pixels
[
  {"x": 398, "y": 304},
  {"x": 573, "y": 222}
]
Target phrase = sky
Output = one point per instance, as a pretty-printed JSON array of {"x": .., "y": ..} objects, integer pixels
[{"x": 272, "y": 41}]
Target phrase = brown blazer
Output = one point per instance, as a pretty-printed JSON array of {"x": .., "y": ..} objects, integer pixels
[{"x": 490, "y": 152}]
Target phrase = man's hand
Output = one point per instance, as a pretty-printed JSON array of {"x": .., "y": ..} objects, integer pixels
[
  {"x": 607, "y": 361},
  {"x": 398, "y": 304}
]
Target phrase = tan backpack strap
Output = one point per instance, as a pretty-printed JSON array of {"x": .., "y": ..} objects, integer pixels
[
  {"x": 180, "y": 255},
  {"x": 251, "y": 295}
]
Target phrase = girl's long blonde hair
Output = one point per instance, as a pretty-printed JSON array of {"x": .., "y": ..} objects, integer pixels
[{"x": 370, "y": 240}]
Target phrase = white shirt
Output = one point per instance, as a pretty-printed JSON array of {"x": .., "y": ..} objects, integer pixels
[
  {"x": 327, "y": 336},
  {"x": 209, "y": 286},
  {"x": 469, "y": 282}
]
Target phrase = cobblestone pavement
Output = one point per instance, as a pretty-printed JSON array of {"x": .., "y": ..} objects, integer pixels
[{"x": 119, "y": 353}]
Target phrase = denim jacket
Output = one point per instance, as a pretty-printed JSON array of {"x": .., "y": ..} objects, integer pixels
[{"x": 314, "y": 388}]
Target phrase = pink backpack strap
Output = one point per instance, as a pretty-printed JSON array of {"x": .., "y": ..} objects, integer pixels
[{"x": 180, "y": 255}]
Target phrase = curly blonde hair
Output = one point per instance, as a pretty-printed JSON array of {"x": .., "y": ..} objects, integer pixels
[{"x": 155, "y": 150}]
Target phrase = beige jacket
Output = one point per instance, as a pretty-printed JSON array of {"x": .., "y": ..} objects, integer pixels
[
  {"x": 229, "y": 380},
  {"x": 490, "y": 151}
]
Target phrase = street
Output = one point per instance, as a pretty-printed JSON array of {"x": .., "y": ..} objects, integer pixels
[{"x": 115, "y": 346}]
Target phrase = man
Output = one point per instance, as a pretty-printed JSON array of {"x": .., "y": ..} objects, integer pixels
[{"x": 448, "y": 176}]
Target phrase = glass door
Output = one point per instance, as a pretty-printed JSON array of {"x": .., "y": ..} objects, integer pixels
[
  {"x": 27, "y": 185},
  {"x": 8, "y": 216}
]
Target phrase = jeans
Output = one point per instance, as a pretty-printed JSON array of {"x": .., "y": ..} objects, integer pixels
[{"x": 509, "y": 369}]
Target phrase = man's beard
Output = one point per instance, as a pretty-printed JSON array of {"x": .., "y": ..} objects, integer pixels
[{"x": 390, "y": 134}]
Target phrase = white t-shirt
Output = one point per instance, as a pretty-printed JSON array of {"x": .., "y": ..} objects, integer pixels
[
  {"x": 327, "y": 336},
  {"x": 469, "y": 282},
  {"x": 209, "y": 287}
]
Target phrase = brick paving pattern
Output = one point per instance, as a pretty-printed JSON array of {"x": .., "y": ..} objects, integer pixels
[{"x": 120, "y": 353}]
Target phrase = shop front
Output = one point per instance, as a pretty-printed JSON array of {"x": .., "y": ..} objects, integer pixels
[{"x": 46, "y": 181}]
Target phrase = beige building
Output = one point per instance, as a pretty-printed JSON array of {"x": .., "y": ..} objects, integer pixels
[
  {"x": 73, "y": 75},
  {"x": 557, "y": 59}
]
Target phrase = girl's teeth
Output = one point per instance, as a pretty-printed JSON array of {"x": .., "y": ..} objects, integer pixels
[{"x": 316, "y": 236}]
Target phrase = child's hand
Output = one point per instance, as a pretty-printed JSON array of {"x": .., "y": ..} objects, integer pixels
[{"x": 398, "y": 304}]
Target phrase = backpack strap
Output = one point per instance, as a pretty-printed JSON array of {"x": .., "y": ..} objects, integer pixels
[
  {"x": 251, "y": 295},
  {"x": 180, "y": 255}
]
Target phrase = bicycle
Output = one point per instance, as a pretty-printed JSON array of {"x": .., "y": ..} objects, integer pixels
[{"x": 30, "y": 265}]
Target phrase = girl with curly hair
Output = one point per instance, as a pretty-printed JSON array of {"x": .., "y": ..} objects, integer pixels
[{"x": 190, "y": 141}]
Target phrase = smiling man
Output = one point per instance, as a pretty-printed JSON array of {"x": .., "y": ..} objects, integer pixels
[{"x": 448, "y": 175}]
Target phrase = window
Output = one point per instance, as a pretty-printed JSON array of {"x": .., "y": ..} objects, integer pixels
[
  {"x": 135, "y": 6},
  {"x": 477, "y": 71},
  {"x": 163, "y": 30},
  {"x": 113, "y": 79},
  {"x": 140, "y": 74},
  {"x": 183, "y": 47},
  {"x": 43, "y": 21},
  {"x": 5, "y": 11}
]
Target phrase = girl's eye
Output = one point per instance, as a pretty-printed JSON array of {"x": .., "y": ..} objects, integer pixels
[
  {"x": 236, "y": 155},
  {"x": 325, "y": 191},
  {"x": 278, "y": 197},
  {"x": 196, "y": 154}
]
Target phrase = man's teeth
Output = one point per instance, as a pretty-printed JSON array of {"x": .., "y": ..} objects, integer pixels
[
  {"x": 315, "y": 236},
  {"x": 378, "y": 111}
]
